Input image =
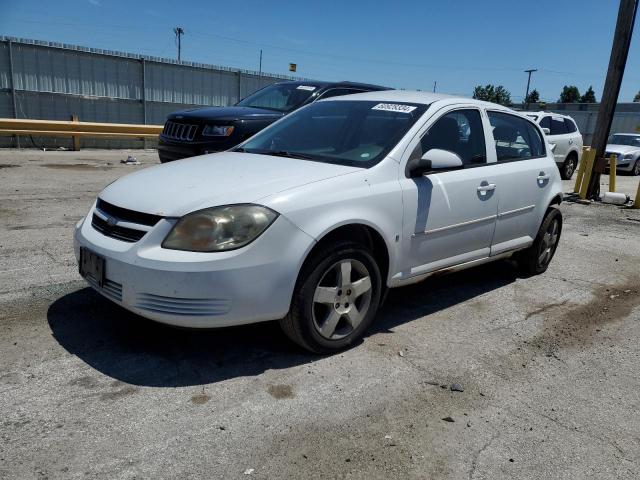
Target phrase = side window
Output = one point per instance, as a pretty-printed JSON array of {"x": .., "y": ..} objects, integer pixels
[
  {"x": 516, "y": 138},
  {"x": 337, "y": 92},
  {"x": 570, "y": 125},
  {"x": 459, "y": 132},
  {"x": 545, "y": 123},
  {"x": 557, "y": 126}
]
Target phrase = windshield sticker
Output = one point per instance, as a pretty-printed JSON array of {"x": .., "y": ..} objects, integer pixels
[
  {"x": 306, "y": 87},
  {"x": 394, "y": 107}
]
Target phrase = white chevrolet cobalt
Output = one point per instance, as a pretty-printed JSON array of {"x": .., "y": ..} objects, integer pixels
[{"x": 313, "y": 218}]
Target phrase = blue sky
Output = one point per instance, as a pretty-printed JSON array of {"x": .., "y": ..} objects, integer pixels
[{"x": 402, "y": 44}]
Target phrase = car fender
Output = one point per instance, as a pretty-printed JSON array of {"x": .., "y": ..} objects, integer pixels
[{"x": 368, "y": 197}]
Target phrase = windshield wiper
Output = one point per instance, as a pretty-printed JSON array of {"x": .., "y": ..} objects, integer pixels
[{"x": 286, "y": 153}]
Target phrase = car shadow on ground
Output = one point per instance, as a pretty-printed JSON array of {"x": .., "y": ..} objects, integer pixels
[{"x": 131, "y": 349}]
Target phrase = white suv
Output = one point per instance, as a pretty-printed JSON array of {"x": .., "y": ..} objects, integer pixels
[
  {"x": 563, "y": 133},
  {"x": 313, "y": 218}
]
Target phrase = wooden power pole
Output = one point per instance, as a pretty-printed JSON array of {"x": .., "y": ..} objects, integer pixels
[{"x": 617, "y": 62}]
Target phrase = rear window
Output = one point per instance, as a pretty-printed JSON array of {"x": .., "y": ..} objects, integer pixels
[
  {"x": 557, "y": 126},
  {"x": 571, "y": 126}
]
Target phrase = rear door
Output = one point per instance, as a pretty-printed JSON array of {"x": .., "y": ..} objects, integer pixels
[{"x": 523, "y": 174}]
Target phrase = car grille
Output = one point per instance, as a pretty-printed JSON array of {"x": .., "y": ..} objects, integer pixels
[
  {"x": 108, "y": 219},
  {"x": 179, "y": 131},
  {"x": 183, "y": 306}
]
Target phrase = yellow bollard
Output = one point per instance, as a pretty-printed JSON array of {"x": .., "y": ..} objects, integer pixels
[
  {"x": 612, "y": 172},
  {"x": 580, "y": 173},
  {"x": 588, "y": 169}
]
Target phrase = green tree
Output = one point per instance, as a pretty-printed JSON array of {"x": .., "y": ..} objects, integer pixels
[
  {"x": 637, "y": 97},
  {"x": 589, "y": 96},
  {"x": 533, "y": 97},
  {"x": 493, "y": 94},
  {"x": 569, "y": 94}
]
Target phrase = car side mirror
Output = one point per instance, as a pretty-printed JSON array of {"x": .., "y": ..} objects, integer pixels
[
  {"x": 435, "y": 160},
  {"x": 546, "y": 130}
]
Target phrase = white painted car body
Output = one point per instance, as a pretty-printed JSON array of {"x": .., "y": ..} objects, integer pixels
[
  {"x": 627, "y": 156},
  {"x": 441, "y": 221},
  {"x": 566, "y": 143}
]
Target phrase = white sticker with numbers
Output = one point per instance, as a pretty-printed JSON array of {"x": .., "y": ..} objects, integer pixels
[{"x": 394, "y": 107}]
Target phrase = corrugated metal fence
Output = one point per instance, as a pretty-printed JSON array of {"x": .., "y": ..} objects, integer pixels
[{"x": 52, "y": 81}]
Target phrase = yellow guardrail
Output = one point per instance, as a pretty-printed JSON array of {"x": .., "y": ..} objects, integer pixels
[{"x": 76, "y": 129}]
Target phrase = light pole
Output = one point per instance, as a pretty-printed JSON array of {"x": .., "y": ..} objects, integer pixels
[
  {"x": 528, "y": 83},
  {"x": 179, "y": 31}
]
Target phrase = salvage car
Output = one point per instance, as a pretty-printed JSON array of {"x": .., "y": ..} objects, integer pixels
[
  {"x": 626, "y": 148},
  {"x": 203, "y": 130},
  {"x": 563, "y": 134},
  {"x": 314, "y": 218}
]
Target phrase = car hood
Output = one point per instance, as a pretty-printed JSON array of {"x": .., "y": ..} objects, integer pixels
[
  {"x": 621, "y": 149},
  {"x": 225, "y": 114},
  {"x": 176, "y": 188}
]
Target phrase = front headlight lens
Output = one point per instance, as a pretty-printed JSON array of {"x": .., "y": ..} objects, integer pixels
[
  {"x": 217, "y": 131},
  {"x": 628, "y": 156},
  {"x": 220, "y": 228}
]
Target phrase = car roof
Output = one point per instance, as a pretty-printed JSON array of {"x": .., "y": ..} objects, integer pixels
[
  {"x": 544, "y": 112},
  {"x": 413, "y": 96},
  {"x": 345, "y": 84}
]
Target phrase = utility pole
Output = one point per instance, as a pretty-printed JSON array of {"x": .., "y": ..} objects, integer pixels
[
  {"x": 617, "y": 62},
  {"x": 434, "y": 86},
  {"x": 260, "y": 70},
  {"x": 179, "y": 31},
  {"x": 528, "y": 83}
]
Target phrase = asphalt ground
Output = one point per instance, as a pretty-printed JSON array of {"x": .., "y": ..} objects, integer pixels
[{"x": 547, "y": 366}]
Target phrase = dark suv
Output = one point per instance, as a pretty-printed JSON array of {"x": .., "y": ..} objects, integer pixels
[{"x": 197, "y": 131}]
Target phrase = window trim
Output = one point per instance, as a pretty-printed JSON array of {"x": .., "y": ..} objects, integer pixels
[{"x": 536, "y": 127}]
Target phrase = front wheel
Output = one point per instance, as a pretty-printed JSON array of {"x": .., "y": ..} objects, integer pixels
[
  {"x": 535, "y": 259},
  {"x": 569, "y": 166},
  {"x": 636, "y": 168},
  {"x": 336, "y": 298}
]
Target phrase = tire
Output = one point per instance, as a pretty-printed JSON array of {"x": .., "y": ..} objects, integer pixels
[
  {"x": 531, "y": 261},
  {"x": 636, "y": 168},
  {"x": 330, "y": 311},
  {"x": 569, "y": 166}
]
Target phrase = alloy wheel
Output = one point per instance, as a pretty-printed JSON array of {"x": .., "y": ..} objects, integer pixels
[
  {"x": 341, "y": 299},
  {"x": 548, "y": 243}
]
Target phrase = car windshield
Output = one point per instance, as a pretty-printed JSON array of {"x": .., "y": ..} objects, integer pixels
[
  {"x": 632, "y": 140},
  {"x": 346, "y": 132},
  {"x": 283, "y": 97}
]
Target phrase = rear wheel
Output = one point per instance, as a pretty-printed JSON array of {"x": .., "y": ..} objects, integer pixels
[
  {"x": 336, "y": 298},
  {"x": 537, "y": 257},
  {"x": 569, "y": 166}
]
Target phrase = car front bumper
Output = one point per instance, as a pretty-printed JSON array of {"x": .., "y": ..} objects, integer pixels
[{"x": 194, "y": 289}]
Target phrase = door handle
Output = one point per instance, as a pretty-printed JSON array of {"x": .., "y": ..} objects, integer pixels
[
  {"x": 543, "y": 176},
  {"x": 487, "y": 188}
]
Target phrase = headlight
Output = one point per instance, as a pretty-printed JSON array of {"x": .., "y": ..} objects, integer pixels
[
  {"x": 216, "y": 131},
  {"x": 220, "y": 228},
  {"x": 628, "y": 156}
]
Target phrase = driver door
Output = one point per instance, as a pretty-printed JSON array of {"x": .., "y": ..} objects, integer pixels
[{"x": 450, "y": 216}]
